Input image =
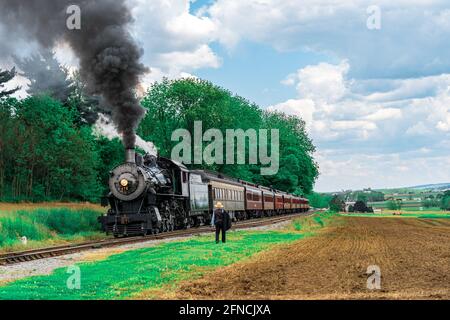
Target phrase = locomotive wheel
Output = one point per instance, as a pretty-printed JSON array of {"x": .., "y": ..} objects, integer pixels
[
  {"x": 171, "y": 223},
  {"x": 168, "y": 226},
  {"x": 197, "y": 221}
]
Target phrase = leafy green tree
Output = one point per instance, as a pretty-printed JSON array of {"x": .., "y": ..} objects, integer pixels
[
  {"x": 110, "y": 155},
  {"x": 86, "y": 107},
  {"x": 46, "y": 76},
  {"x": 361, "y": 206},
  {"x": 337, "y": 204},
  {"x": 445, "y": 201},
  {"x": 318, "y": 200},
  {"x": 375, "y": 196},
  {"x": 178, "y": 104},
  {"x": 7, "y": 148},
  {"x": 298, "y": 170},
  {"x": 6, "y": 76},
  {"x": 48, "y": 158},
  {"x": 362, "y": 197},
  {"x": 394, "y": 204},
  {"x": 367, "y": 195},
  {"x": 430, "y": 202},
  {"x": 48, "y": 151}
]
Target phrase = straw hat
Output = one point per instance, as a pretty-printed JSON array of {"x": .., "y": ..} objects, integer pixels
[{"x": 219, "y": 205}]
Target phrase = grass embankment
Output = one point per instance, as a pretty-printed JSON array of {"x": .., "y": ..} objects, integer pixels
[
  {"x": 130, "y": 273},
  {"x": 47, "y": 226}
]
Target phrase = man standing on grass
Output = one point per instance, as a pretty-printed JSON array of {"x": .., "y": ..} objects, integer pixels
[{"x": 221, "y": 220}]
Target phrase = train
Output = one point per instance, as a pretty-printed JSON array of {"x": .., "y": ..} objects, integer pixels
[{"x": 152, "y": 194}]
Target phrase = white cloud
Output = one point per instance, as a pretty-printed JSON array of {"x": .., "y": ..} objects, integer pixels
[
  {"x": 337, "y": 103},
  {"x": 353, "y": 124},
  {"x": 418, "y": 129},
  {"x": 412, "y": 40},
  {"x": 174, "y": 40},
  {"x": 156, "y": 75},
  {"x": 189, "y": 60},
  {"x": 401, "y": 89},
  {"x": 325, "y": 82},
  {"x": 341, "y": 172},
  {"x": 302, "y": 108},
  {"x": 444, "y": 125},
  {"x": 372, "y": 128},
  {"x": 190, "y": 27},
  {"x": 323, "y": 102},
  {"x": 385, "y": 114}
]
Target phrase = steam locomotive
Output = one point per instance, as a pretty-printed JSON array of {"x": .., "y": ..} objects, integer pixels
[{"x": 150, "y": 194}]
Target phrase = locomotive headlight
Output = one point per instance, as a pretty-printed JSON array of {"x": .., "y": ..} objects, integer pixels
[
  {"x": 127, "y": 182},
  {"x": 124, "y": 182}
]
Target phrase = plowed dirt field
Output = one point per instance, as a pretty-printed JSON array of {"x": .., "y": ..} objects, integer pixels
[{"x": 413, "y": 256}]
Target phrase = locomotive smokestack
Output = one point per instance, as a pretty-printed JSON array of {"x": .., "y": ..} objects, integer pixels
[{"x": 130, "y": 156}]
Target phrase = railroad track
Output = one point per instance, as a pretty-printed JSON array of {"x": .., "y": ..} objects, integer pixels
[{"x": 42, "y": 253}]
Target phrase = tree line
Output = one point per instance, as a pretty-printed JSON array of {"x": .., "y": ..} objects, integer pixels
[
  {"x": 48, "y": 150},
  {"x": 45, "y": 156},
  {"x": 178, "y": 104},
  {"x": 336, "y": 202}
]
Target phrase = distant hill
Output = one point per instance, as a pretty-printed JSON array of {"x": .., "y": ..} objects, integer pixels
[
  {"x": 433, "y": 187},
  {"x": 436, "y": 187}
]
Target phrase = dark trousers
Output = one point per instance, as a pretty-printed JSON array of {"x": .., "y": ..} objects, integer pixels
[{"x": 219, "y": 228}]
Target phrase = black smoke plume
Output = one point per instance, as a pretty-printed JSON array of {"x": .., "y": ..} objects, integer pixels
[{"x": 109, "y": 57}]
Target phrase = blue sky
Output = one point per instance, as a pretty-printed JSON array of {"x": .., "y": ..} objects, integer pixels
[
  {"x": 246, "y": 71},
  {"x": 376, "y": 101}
]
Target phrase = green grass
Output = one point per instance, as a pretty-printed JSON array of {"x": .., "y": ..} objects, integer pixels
[
  {"x": 434, "y": 216},
  {"x": 309, "y": 225},
  {"x": 126, "y": 274},
  {"x": 65, "y": 221},
  {"x": 410, "y": 205},
  {"x": 46, "y": 224},
  {"x": 417, "y": 209}
]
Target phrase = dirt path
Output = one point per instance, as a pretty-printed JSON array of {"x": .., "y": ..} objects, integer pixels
[{"x": 413, "y": 255}]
